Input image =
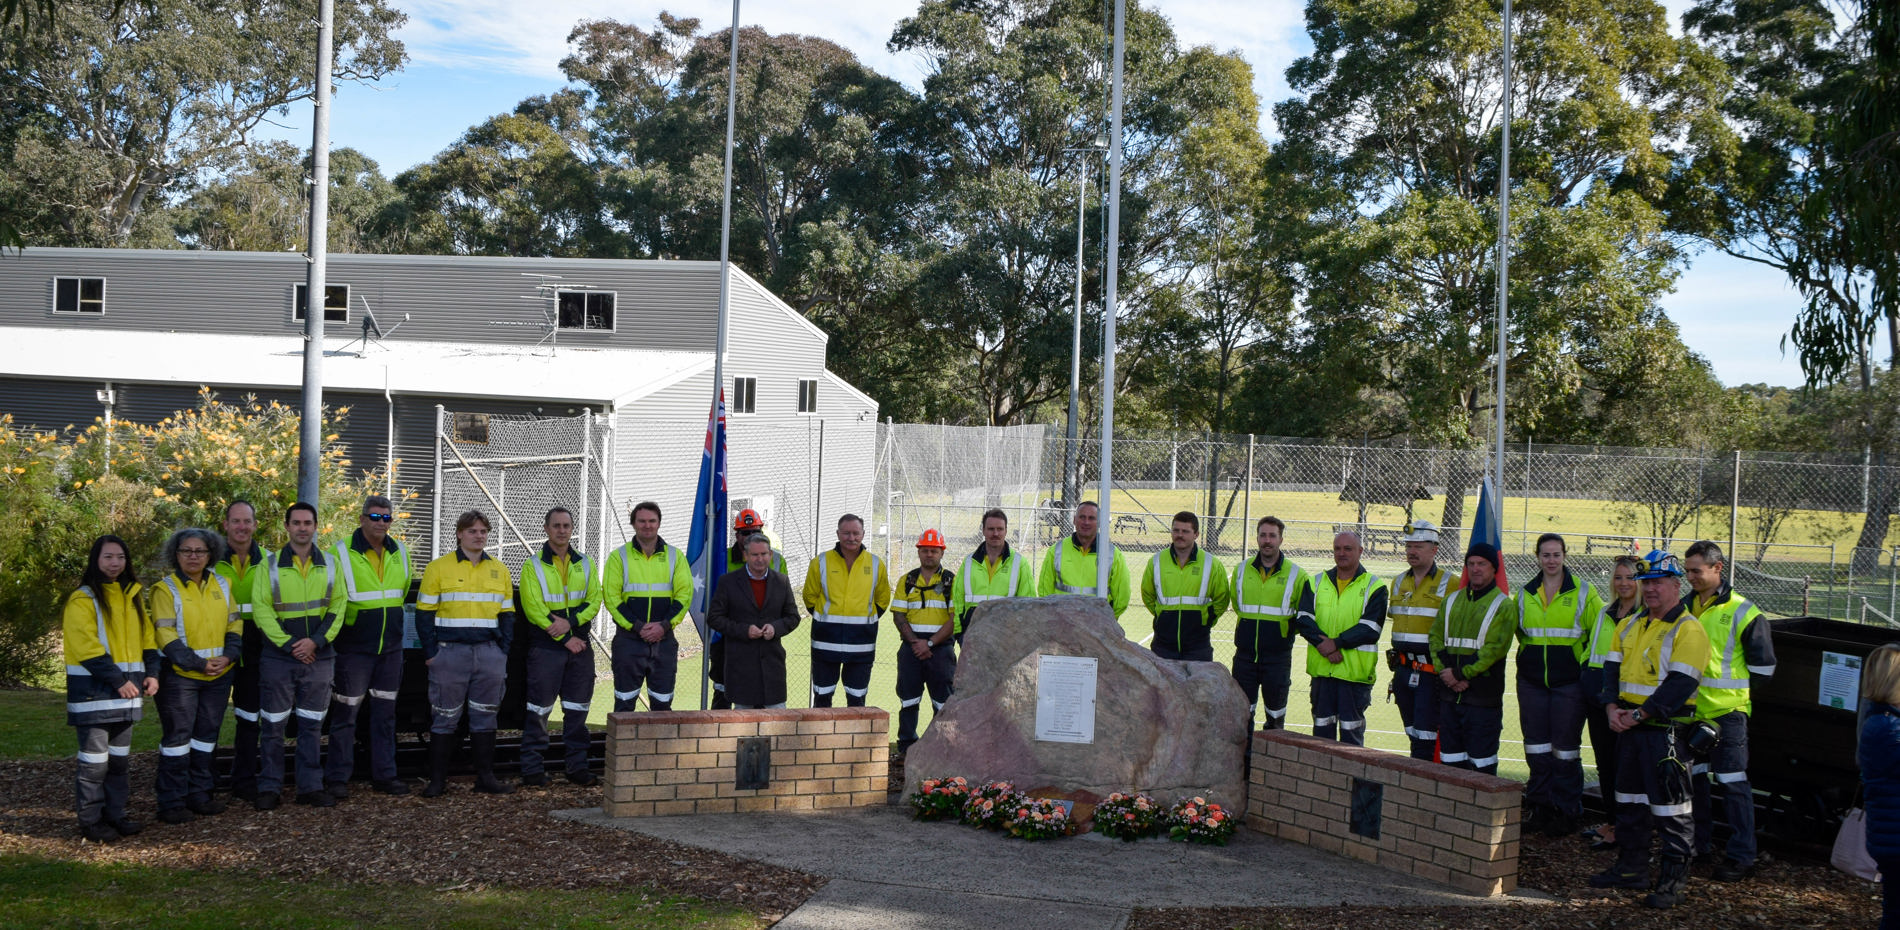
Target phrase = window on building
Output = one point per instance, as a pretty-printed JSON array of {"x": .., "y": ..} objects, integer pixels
[
  {"x": 79, "y": 295},
  {"x": 808, "y": 395},
  {"x": 745, "y": 394},
  {"x": 585, "y": 310},
  {"x": 471, "y": 427},
  {"x": 336, "y": 303}
]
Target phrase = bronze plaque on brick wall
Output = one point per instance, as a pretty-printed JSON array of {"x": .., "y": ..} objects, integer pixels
[
  {"x": 753, "y": 766},
  {"x": 1368, "y": 797}
]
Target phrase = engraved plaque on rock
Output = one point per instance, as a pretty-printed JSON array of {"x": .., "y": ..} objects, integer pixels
[{"x": 753, "y": 767}]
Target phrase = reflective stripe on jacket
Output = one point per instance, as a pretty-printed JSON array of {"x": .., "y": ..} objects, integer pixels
[
  {"x": 553, "y": 586},
  {"x": 1414, "y": 606},
  {"x": 1739, "y": 646},
  {"x": 196, "y": 621},
  {"x": 925, "y": 607},
  {"x": 372, "y": 598},
  {"x": 640, "y": 589},
  {"x": 1269, "y": 605},
  {"x": 289, "y": 603},
  {"x": 1471, "y": 638},
  {"x": 1551, "y": 637},
  {"x": 106, "y": 646},
  {"x": 845, "y": 604},
  {"x": 1353, "y": 618},
  {"x": 1185, "y": 600},
  {"x": 1068, "y": 569},
  {"x": 984, "y": 579},
  {"x": 465, "y": 602}
]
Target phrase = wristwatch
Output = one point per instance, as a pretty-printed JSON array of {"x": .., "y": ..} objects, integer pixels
[{"x": 1638, "y": 715}]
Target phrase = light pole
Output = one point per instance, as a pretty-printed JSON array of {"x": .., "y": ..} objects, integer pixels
[{"x": 1075, "y": 353}]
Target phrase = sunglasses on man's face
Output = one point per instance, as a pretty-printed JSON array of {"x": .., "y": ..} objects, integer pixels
[{"x": 380, "y": 517}]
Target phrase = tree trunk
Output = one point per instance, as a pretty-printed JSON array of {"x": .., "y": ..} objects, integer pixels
[
  {"x": 1871, "y": 547},
  {"x": 1459, "y": 475}
]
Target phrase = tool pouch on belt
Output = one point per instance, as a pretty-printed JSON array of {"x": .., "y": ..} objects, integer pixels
[
  {"x": 1704, "y": 736},
  {"x": 1671, "y": 775},
  {"x": 1394, "y": 660}
]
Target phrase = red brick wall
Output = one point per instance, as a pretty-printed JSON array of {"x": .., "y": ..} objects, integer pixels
[
  {"x": 1446, "y": 825},
  {"x": 682, "y": 762}
]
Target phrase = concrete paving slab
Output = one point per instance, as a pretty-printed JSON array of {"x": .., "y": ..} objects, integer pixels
[
  {"x": 885, "y": 847},
  {"x": 844, "y": 904}
]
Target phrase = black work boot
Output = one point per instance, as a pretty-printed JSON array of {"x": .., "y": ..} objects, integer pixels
[
  {"x": 1672, "y": 884},
  {"x": 485, "y": 780},
  {"x": 441, "y": 749}
]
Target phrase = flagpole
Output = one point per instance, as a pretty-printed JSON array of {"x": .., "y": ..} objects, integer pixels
[
  {"x": 1111, "y": 258},
  {"x": 1504, "y": 254},
  {"x": 719, "y": 350}
]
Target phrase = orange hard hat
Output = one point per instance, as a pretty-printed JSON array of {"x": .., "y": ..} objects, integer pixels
[
  {"x": 748, "y": 519},
  {"x": 931, "y": 538}
]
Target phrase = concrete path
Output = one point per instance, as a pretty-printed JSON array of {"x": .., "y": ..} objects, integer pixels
[{"x": 888, "y": 871}]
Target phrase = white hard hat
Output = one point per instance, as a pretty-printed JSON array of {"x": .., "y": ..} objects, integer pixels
[{"x": 1420, "y": 531}]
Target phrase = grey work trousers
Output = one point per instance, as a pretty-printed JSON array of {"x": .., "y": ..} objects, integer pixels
[
  {"x": 1339, "y": 706},
  {"x": 1728, "y": 768},
  {"x": 190, "y": 713},
  {"x": 569, "y": 677},
  {"x": 102, "y": 785},
  {"x": 471, "y": 675},
  {"x": 284, "y": 686}
]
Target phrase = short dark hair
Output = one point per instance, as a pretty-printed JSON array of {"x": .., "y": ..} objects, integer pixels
[
  {"x": 1271, "y": 521},
  {"x": 851, "y": 518},
  {"x": 756, "y": 537},
  {"x": 1707, "y": 550},
  {"x": 470, "y": 518},
  {"x": 300, "y": 505},
  {"x": 239, "y": 502},
  {"x": 377, "y": 500},
  {"x": 1551, "y": 537},
  {"x": 1188, "y": 517},
  {"x": 1098, "y": 507},
  {"x": 644, "y": 505},
  {"x": 554, "y": 510},
  {"x": 994, "y": 513}
]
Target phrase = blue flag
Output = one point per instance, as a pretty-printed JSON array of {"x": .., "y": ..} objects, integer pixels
[
  {"x": 1487, "y": 527},
  {"x": 707, "y": 554}
]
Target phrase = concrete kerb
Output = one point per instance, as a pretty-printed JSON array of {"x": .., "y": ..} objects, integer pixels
[{"x": 883, "y": 863}]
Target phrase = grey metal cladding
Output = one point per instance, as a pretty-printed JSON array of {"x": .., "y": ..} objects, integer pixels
[{"x": 658, "y": 304}]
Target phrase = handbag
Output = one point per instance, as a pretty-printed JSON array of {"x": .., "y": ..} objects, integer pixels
[{"x": 1850, "y": 847}]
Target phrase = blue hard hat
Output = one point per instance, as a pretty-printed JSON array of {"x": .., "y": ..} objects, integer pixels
[{"x": 1659, "y": 564}]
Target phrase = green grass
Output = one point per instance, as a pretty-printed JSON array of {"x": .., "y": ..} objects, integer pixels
[
  {"x": 39, "y": 892},
  {"x": 36, "y": 726}
]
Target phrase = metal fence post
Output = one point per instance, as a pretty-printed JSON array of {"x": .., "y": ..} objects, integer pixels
[
  {"x": 1246, "y": 507},
  {"x": 1893, "y": 583},
  {"x": 1734, "y": 512},
  {"x": 890, "y": 483},
  {"x": 818, "y": 501},
  {"x": 587, "y": 459},
  {"x": 435, "y": 532}
]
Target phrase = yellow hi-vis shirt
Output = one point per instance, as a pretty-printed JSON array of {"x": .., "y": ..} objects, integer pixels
[
  {"x": 1069, "y": 569},
  {"x": 196, "y": 620},
  {"x": 1413, "y": 607}
]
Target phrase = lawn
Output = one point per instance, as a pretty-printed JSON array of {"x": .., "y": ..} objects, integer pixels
[{"x": 40, "y": 892}]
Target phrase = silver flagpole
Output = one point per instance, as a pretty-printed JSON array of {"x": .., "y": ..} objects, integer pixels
[
  {"x": 310, "y": 435},
  {"x": 1504, "y": 255},
  {"x": 719, "y": 351},
  {"x": 1110, "y": 258}
]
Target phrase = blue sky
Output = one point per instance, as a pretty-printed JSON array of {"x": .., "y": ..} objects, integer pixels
[{"x": 472, "y": 59}]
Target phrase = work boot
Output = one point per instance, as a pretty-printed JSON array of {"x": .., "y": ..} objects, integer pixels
[
  {"x": 204, "y": 805},
  {"x": 1732, "y": 871},
  {"x": 1619, "y": 876},
  {"x": 441, "y": 749},
  {"x": 267, "y": 800},
  {"x": 100, "y": 832},
  {"x": 127, "y": 826},
  {"x": 316, "y": 799},
  {"x": 1672, "y": 884},
  {"x": 338, "y": 790},
  {"x": 1559, "y": 824},
  {"x": 485, "y": 780},
  {"x": 393, "y": 787},
  {"x": 583, "y": 778},
  {"x": 177, "y": 815}
]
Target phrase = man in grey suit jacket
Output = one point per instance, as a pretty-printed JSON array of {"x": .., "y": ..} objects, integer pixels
[{"x": 754, "y": 609}]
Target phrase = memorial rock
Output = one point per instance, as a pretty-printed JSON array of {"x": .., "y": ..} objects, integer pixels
[{"x": 1168, "y": 728}]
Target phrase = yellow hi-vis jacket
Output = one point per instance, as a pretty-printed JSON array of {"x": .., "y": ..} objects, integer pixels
[
  {"x": 985, "y": 578},
  {"x": 1413, "y": 607},
  {"x": 227, "y": 568},
  {"x": 196, "y": 620},
  {"x": 564, "y": 586},
  {"x": 374, "y": 587},
  {"x": 1269, "y": 605},
  {"x": 1471, "y": 637},
  {"x": 466, "y": 602},
  {"x": 638, "y": 589},
  {"x": 1185, "y": 600},
  {"x": 845, "y": 605},
  {"x": 1739, "y": 646},
  {"x": 106, "y": 645},
  {"x": 923, "y": 604},
  {"x": 1657, "y": 665},
  {"x": 1552, "y": 637},
  {"x": 1067, "y": 568},
  {"x": 290, "y": 602},
  {"x": 1353, "y": 618}
]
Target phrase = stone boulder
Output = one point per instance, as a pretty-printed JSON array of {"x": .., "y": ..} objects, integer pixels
[{"x": 1164, "y": 727}]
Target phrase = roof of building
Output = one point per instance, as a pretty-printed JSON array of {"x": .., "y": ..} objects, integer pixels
[{"x": 593, "y": 376}]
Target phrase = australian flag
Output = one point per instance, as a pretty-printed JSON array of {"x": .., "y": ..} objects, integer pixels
[
  {"x": 1488, "y": 527},
  {"x": 707, "y": 554}
]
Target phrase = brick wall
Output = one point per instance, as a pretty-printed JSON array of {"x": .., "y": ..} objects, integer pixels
[
  {"x": 1446, "y": 825},
  {"x": 684, "y": 762}
]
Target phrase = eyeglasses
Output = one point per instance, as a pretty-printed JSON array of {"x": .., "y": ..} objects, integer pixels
[
  {"x": 194, "y": 552},
  {"x": 380, "y": 517}
]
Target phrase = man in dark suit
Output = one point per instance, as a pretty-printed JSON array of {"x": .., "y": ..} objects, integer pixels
[{"x": 754, "y": 609}]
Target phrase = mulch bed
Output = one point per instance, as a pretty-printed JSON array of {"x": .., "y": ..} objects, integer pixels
[{"x": 464, "y": 840}]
